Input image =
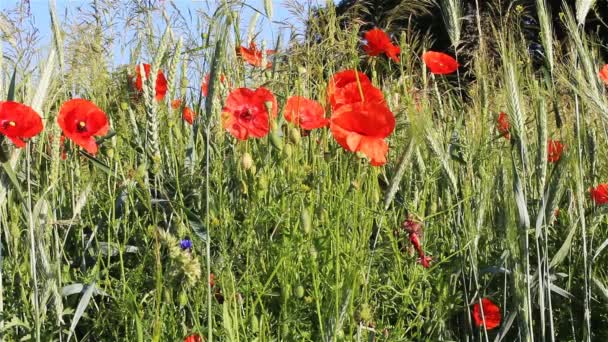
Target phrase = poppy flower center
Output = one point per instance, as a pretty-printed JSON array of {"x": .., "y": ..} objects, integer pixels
[
  {"x": 81, "y": 127},
  {"x": 245, "y": 115},
  {"x": 6, "y": 124}
]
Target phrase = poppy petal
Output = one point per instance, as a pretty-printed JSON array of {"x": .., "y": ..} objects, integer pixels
[{"x": 440, "y": 63}]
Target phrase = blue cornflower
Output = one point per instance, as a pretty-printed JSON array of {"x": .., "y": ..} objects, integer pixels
[{"x": 185, "y": 244}]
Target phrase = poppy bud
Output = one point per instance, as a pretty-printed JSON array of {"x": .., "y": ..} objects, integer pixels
[
  {"x": 305, "y": 220},
  {"x": 124, "y": 106},
  {"x": 365, "y": 313},
  {"x": 183, "y": 298},
  {"x": 294, "y": 135},
  {"x": 263, "y": 182},
  {"x": 340, "y": 335},
  {"x": 255, "y": 324},
  {"x": 285, "y": 292},
  {"x": 299, "y": 291},
  {"x": 284, "y": 330},
  {"x": 247, "y": 161},
  {"x": 313, "y": 253},
  {"x": 287, "y": 151},
  {"x": 276, "y": 140}
]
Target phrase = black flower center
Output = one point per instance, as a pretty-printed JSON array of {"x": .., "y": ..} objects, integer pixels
[
  {"x": 81, "y": 127},
  {"x": 246, "y": 115},
  {"x": 8, "y": 124}
]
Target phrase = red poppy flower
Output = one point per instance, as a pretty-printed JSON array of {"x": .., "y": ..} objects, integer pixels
[
  {"x": 18, "y": 122},
  {"x": 188, "y": 115},
  {"x": 205, "y": 85},
  {"x": 502, "y": 125},
  {"x": 252, "y": 55},
  {"x": 81, "y": 120},
  {"x": 308, "y": 114},
  {"x": 491, "y": 314},
  {"x": 362, "y": 127},
  {"x": 378, "y": 42},
  {"x": 193, "y": 338},
  {"x": 600, "y": 194},
  {"x": 554, "y": 149},
  {"x": 439, "y": 63},
  {"x": 604, "y": 74},
  {"x": 245, "y": 113},
  {"x": 212, "y": 280},
  {"x": 350, "y": 86},
  {"x": 175, "y": 104},
  {"x": 161, "y": 82}
]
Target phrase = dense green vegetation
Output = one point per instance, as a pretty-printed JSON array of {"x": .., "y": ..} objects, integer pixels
[{"x": 303, "y": 239}]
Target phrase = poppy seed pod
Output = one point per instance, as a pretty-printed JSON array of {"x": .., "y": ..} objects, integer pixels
[{"x": 255, "y": 324}]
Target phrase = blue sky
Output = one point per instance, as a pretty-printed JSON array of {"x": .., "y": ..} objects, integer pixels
[{"x": 269, "y": 31}]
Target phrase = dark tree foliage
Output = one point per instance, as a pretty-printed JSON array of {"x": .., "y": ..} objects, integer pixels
[{"x": 424, "y": 17}]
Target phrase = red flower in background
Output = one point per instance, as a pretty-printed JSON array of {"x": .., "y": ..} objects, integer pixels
[
  {"x": 554, "y": 149},
  {"x": 193, "y": 338},
  {"x": 161, "y": 81},
  {"x": 245, "y": 113},
  {"x": 81, "y": 120},
  {"x": 439, "y": 63},
  {"x": 362, "y": 127},
  {"x": 308, "y": 114},
  {"x": 252, "y": 55},
  {"x": 350, "y": 86},
  {"x": 502, "y": 125},
  {"x": 378, "y": 42},
  {"x": 175, "y": 104},
  {"x": 18, "y": 122},
  {"x": 604, "y": 74},
  {"x": 205, "y": 84},
  {"x": 188, "y": 115},
  {"x": 491, "y": 314},
  {"x": 212, "y": 280},
  {"x": 600, "y": 194}
]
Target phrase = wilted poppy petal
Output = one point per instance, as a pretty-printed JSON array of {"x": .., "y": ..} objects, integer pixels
[{"x": 439, "y": 63}]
